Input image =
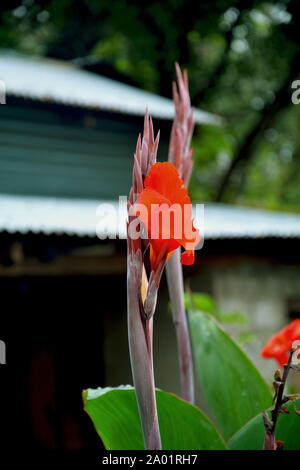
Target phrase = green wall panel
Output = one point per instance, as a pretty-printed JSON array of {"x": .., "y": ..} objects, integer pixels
[{"x": 53, "y": 153}]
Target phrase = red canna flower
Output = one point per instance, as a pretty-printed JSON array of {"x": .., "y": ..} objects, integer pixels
[
  {"x": 165, "y": 209},
  {"x": 280, "y": 344}
]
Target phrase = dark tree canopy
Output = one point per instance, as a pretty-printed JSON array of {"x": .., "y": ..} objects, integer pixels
[{"x": 242, "y": 58}]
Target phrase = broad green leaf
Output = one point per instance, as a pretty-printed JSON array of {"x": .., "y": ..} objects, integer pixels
[
  {"x": 251, "y": 436},
  {"x": 114, "y": 413},
  {"x": 233, "y": 388}
]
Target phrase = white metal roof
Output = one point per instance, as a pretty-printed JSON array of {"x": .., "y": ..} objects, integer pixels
[
  {"x": 24, "y": 214},
  {"x": 63, "y": 82}
]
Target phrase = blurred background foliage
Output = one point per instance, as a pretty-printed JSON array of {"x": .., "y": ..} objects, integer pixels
[
  {"x": 236, "y": 323},
  {"x": 242, "y": 58}
]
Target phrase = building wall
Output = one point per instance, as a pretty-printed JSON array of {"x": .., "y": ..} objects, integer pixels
[
  {"x": 266, "y": 291},
  {"x": 51, "y": 150}
]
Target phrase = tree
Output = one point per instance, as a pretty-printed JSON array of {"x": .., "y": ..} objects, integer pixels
[{"x": 241, "y": 56}]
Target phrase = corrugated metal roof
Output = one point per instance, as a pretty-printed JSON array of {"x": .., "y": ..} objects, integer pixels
[
  {"x": 24, "y": 214},
  {"x": 63, "y": 82},
  {"x": 229, "y": 221}
]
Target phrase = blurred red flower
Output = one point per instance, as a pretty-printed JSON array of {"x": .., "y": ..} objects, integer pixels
[
  {"x": 280, "y": 344},
  {"x": 165, "y": 209}
]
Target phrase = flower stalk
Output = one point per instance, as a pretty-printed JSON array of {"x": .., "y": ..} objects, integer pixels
[
  {"x": 280, "y": 400},
  {"x": 180, "y": 154},
  {"x": 157, "y": 192},
  {"x": 140, "y": 325},
  {"x": 176, "y": 290}
]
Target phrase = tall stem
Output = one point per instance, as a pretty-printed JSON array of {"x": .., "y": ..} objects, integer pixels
[
  {"x": 176, "y": 291},
  {"x": 140, "y": 347},
  {"x": 279, "y": 401},
  {"x": 270, "y": 440},
  {"x": 140, "y": 322}
]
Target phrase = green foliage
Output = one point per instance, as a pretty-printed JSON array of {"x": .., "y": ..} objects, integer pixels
[
  {"x": 114, "y": 413},
  {"x": 213, "y": 149},
  {"x": 233, "y": 388},
  {"x": 205, "y": 303},
  {"x": 251, "y": 436}
]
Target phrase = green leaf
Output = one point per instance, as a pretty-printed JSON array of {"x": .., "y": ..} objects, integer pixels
[
  {"x": 233, "y": 388},
  {"x": 251, "y": 436},
  {"x": 204, "y": 302},
  {"x": 246, "y": 338},
  {"x": 114, "y": 413},
  {"x": 234, "y": 317}
]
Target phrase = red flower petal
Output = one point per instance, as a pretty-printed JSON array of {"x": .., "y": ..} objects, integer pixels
[
  {"x": 279, "y": 344},
  {"x": 165, "y": 199},
  {"x": 188, "y": 257}
]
